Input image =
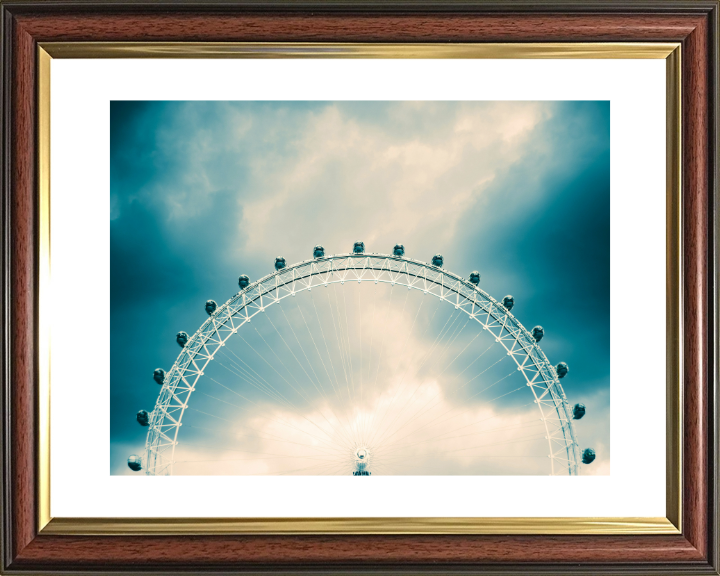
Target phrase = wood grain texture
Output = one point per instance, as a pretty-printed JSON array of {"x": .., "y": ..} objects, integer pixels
[
  {"x": 223, "y": 552},
  {"x": 696, "y": 188},
  {"x": 23, "y": 293},
  {"x": 357, "y": 28},
  {"x": 692, "y": 23}
]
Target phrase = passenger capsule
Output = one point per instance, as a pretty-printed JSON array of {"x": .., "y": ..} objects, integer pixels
[
  {"x": 475, "y": 277},
  {"x": 243, "y": 281},
  {"x": 538, "y": 333},
  {"x": 135, "y": 463},
  {"x": 159, "y": 375},
  {"x": 399, "y": 250},
  {"x": 508, "y": 302},
  {"x": 437, "y": 260},
  {"x": 562, "y": 370},
  {"x": 359, "y": 247},
  {"x": 279, "y": 263},
  {"x": 182, "y": 339},
  {"x": 588, "y": 455},
  {"x": 143, "y": 418},
  {"x": 578, "y": 411},
  {"x": 210, "y": 307},
  {"x": 318, "y": 251}
]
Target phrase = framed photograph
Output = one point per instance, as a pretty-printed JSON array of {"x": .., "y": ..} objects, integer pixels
[{"x": 295, "y": 287}]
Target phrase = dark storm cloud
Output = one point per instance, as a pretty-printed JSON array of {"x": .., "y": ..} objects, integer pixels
[{"x": 541, "y": 232}]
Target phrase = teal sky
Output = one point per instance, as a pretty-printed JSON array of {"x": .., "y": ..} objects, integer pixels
[{"x": 204, "y": 191}]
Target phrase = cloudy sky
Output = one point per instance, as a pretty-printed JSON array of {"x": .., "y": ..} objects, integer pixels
[{"x": 202, "y": 192}]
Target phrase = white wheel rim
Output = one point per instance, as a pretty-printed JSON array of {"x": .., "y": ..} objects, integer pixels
[{"x": 539, "y": 373}]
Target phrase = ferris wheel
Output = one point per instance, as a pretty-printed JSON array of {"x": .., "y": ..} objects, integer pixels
[{"x": 361, "y": 363}]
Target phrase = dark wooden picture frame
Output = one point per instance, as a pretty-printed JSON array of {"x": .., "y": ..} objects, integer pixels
[{"x": 693, "y": 24}]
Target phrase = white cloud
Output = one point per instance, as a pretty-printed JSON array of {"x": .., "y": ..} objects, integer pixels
[
  {"x": 395, "y": 187},
  {"x": 448, "y": 438},
  {"x": 415, "y": 398}
]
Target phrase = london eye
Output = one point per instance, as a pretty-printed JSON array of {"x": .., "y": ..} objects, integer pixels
[{"x": 361, "y": 363}]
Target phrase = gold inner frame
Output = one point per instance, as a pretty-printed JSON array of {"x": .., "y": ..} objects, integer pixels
[{"x": 671, "y": 524}]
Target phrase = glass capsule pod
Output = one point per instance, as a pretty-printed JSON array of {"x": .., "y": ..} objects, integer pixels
[
  {"x": 475, "y": 277},
  {"x": 279, "y": 263},
  {"x": 399, "y": 250},
  {"x": 562, "y": 369},
  {"x": 143, "y": 418},
  {"x": 134, "y": 463},
  {"x": 210, "y": 307},
  {"x": 588, "y": 455},
  {"x": 437, "y": 260},
  {"x": 359, "y": 247},
  {"x": 159, "y": 375},
  {"x": 244, "y": 281},
  {"x": 508, "y": 302},
  {"x": 318, "y": 251},
  {"x": 182, "y": 339},
  {"x": 578, "y": 411},
  {"x": 538, "y": 333}
]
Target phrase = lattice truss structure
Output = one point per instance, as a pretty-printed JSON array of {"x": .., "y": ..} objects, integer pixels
[{"x": 539, "y": 373}]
